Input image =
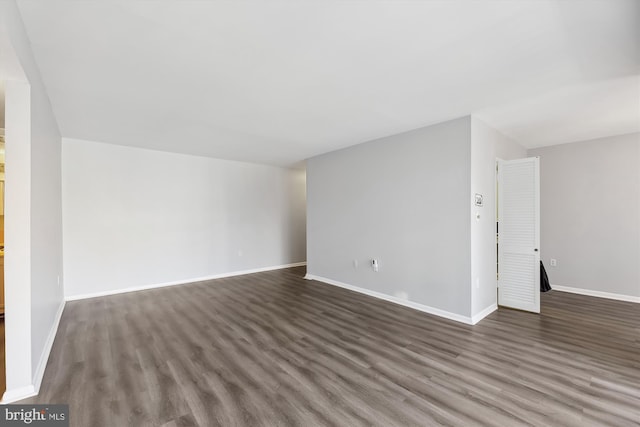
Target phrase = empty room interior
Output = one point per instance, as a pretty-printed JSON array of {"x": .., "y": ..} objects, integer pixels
[{"x": 320, "y": 213}]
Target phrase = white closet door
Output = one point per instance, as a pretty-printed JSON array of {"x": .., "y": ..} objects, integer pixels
[{"x": 519, "y": 234}]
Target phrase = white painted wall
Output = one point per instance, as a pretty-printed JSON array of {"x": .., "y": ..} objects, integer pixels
[
  {"x": 135, "y": 217},
  {"x": 17, "y": 239},
  {"x": 487, "y": 144},
  {"x": 590, "y": 214},
  {"x": 33, "y": 218},
  {"x": 46, "y": 224},
  {"x": 403, "y": 200}
]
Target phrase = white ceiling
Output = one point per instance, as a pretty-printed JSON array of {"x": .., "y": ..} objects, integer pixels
[
  {"x": 571, "y": 113},
  {"x": 279, "y": 81}
]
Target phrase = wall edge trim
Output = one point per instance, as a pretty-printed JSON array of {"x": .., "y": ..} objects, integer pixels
[
  {"x": 46, "y": 351},
  {"x": 414, "y": 305},
  {"x": 181, "y": 282},
  {"x": 484, "y": 313},
  {"x": 16, "y": 394},
  {"x": 598, "y": 294}
]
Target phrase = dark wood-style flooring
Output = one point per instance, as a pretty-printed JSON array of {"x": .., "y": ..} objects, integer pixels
[{"x": 274, "y": 349}]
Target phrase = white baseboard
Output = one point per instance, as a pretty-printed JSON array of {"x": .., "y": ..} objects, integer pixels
[
  {"x": 599, "y": 294},
  {"x": 32, "y": 390},
  {"x": 484, "y": 313},
  {"x": 16, "y": 394},
  {"x": 44, "y": 357},
  {"x": 181, "y": 282},
  {"x": 395, "y": 300}
]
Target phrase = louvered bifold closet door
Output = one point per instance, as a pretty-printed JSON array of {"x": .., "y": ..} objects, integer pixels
[{"x": 519, "y": 234}]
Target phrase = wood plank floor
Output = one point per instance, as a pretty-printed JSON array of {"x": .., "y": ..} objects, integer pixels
[{"x": 274, "y": 349}]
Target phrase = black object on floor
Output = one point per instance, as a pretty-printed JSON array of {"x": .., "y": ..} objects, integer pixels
[{"x": 544, "y": 279}]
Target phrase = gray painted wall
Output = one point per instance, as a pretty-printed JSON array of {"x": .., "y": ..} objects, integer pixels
[
  {"x": 590, "y": 213},
  {"x": 404, "y": 200}
]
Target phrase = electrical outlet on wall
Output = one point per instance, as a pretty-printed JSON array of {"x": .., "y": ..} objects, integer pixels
[{"x": 553, "y": 262}]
